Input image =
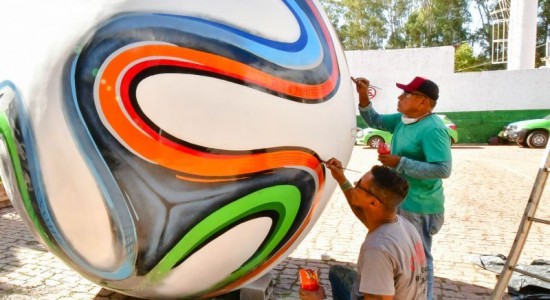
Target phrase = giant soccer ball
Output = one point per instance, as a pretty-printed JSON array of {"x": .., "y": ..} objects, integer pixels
[{"x": 173, "y": 149}]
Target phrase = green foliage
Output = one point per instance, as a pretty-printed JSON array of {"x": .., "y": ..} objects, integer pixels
[
  {"x": 365, "y": 26},
  {"x": 375, "y": 24},
  {"x": 438, "y": 23},
  {"x": 543, "y": 31},
  {"x": 483, "y": 35},
  {"x": 464, "y": 58},
  {"x": 396, "y": 24},
  {"x": 398, "y": 14},
  {"x": 335, "y": 13},
  {"x": 466, "y": 61}
]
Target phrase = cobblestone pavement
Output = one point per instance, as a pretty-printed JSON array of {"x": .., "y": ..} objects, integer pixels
[{"x": 486, "y": 197}]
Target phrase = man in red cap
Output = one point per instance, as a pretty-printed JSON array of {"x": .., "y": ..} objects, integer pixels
[{"x": 420, "y": 151}]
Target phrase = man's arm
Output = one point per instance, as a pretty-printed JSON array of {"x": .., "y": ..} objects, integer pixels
[
  {"x": 358, "y": 212},
  {"x": 362, "y": 88},
  {"x": 415, "y": 168},
  {"x": 424, "y": 170},
  {"x": 335, "y": 167},
  {"x": 371, "y": 117},
  {"x": 437, "y": 150}
]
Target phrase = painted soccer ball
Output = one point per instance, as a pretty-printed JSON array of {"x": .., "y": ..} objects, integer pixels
[{"x": 177, "y": 150}]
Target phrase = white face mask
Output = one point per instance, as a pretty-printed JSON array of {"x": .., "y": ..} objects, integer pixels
[{"x": 406, "y": 120}]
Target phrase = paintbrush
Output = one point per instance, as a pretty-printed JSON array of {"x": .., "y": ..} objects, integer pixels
[
  {"x": 343, "y": 168},
  {"x": 355, "y": 81}
]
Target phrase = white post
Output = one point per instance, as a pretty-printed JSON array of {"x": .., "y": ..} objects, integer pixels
[{"x": 522, "y": 37}]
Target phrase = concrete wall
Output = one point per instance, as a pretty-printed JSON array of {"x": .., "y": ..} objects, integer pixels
[{"x": 479, "y": 102}]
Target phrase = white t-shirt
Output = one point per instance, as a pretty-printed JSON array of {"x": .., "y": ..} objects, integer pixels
[{"x": 392, "y": 262}]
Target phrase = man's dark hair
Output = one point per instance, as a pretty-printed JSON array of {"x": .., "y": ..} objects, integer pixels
[{"x": 389, "y": 186}]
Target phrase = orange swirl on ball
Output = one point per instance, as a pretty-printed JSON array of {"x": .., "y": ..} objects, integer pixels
[{"x": 183, "y": 159}]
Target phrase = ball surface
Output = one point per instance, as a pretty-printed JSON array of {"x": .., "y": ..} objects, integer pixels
[{"x": 174, "y": 149}]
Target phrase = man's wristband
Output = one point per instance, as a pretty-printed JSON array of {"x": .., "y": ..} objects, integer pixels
[
  {"x": 363, "y": 107},
  {"x": 346, "y": 186}
]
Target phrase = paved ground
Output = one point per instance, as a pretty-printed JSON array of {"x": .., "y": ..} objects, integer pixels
[{"x": 486, "y": 197}]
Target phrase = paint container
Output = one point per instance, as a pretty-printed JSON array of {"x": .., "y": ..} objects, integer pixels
[
  {"x": 383, "y": 148},
  {"x": 309, "y": 280}
]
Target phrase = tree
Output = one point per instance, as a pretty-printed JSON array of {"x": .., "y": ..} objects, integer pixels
[
  {"x": 483, "y": 36},
  {"x": 438, "y": 23},
  {"x": 395, "y": 24},
  {"x": 465, "y": 61},
  {"x": 335, "y": 12},
  {"x": 397, "y": 16},
  {"x": 365, "y": 26},
  {"x": 375, "y": 24},
  {"x": 543, "y": 31}
]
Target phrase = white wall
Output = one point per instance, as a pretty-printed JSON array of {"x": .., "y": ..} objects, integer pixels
[{"x": 459, "y": 92}]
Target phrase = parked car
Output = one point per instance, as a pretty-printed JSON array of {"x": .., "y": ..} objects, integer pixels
[
  {"x": 372, "y": 137},
  {"x": 529, "y": 133}
]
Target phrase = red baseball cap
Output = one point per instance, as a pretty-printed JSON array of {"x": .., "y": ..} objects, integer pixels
[{"x": 423, "y": 85}]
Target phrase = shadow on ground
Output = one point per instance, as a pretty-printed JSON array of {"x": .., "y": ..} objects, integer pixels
[
  {"x": 14, "y": 235},
  {"x": 9, "y": 226},
  {"x": 286, "y": 283},
  {"x": 458, "y": 147},
  {"x": 107, "y": 294}
]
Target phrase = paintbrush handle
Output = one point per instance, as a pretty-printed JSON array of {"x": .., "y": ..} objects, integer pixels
[
  {"x": 355, "y": 81},
  {"x": 343, "y": 168}
]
